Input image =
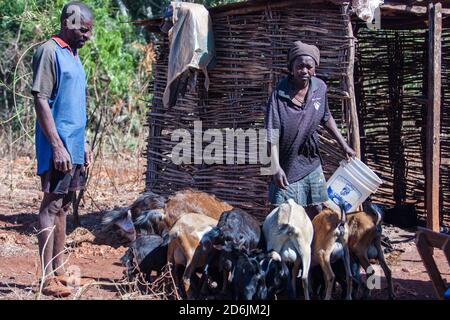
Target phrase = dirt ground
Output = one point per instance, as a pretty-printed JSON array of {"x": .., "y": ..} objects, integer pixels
[{"x": 116, "y": 182}]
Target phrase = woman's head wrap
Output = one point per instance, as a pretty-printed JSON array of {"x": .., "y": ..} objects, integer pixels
[{"x": 302, "y": 49}]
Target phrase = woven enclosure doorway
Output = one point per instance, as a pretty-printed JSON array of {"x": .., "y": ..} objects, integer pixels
[{"x": 391, "y": 72}]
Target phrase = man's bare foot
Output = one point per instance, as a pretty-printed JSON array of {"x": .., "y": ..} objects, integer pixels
[
  {"x": 72, "y": 281},
  {"x": 53, "y": 287}
]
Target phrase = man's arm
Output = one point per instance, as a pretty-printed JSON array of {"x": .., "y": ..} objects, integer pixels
[
  {"x": 61, "y": 157},
  {"x": 331, "y": 127}
]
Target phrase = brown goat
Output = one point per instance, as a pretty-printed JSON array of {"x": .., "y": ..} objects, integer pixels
[
  {"x": 364, "y": 242},
  {"x": 329, "y": 227},
  {"x": 182, "y": 202},
  {"x": 146, "y": 201},
  {"x": 184, "y": 248},
  {"x": 194, "y": 202}
]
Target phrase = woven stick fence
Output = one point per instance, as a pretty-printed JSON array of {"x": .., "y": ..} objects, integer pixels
[
  {"x": 392, "y": 87},
  {"x": 251, "y": 52}
]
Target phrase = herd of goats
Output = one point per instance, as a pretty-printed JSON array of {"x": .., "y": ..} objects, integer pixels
[{"x": 220, "y": 252}]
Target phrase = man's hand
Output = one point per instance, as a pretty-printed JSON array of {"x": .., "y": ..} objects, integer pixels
[
  {"x": 88, "y": 156},
  {"x": 280, "y": 179},
  {"x": 61, "y": 159}
]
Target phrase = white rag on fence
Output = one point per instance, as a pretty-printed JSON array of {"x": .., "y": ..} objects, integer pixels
[
  {"x": 365, "y": 9},
  {"x": 191, "y": 48}
]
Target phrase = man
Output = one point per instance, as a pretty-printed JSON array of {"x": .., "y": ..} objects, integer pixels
[
  {"x": 59, "y": 90},
  {"x": 296, "y": 108}
]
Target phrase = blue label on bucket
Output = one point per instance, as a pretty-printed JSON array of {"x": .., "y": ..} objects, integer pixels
[{"x": 344, "y": 192}]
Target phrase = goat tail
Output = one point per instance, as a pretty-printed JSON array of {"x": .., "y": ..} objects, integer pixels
[
  {"x": 379, "y": 212},
  {"x": 154, "y": 215},
  {"x": 343, "y": 212}
]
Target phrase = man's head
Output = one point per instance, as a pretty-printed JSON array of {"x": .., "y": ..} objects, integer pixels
[
  {"x": 76, "y": 24},
  {"x": 302, "y": 60}
]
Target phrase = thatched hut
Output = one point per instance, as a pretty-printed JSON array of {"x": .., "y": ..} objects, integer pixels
[{"x": 378, "y": 84}]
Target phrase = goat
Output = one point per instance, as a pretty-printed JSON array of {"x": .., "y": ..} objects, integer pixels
[
  {"x": 182, "y": 202},
  {"x": 253, "y": 275},
  {"x": 145, "y": 202},
  {"x": 248, "y": 277},
  {"x": 289, "y": 232},
  {"x": 257, "y": 275},
  {"x": 330, "y": 243},
  {"x": 276, "y": 275},
  {"x": 184, "y": 248},
  {"x": 146, "y": 254},
  {"x": 121, "y": 220},
  {"x": 364, "y": 242},
  {"x": 236, "y": 230}
]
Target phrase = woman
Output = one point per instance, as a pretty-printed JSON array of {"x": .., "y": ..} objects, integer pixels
[{"x": 295, "y": 109}]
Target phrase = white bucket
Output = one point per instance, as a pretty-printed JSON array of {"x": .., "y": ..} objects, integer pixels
[{"x": 352, "y": 183}]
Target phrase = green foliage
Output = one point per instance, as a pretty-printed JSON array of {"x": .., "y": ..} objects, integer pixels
[
  {"x": 117, "y": 62},
  {"x": 112, "y": 60}
]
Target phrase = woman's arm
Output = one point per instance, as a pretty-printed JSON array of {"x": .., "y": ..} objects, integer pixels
[
  {"x": 279, "y": 176},
  {"x": 331, "y": 127},
  {"x": 272, "y": 125}
]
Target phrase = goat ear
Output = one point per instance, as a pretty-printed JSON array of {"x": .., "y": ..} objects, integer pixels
[{"x": 206, "y": 243}]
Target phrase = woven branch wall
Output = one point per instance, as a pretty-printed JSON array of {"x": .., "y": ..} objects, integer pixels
[
  {"x": 392, "y": 87},
  {"x": 251, "y": 52}
]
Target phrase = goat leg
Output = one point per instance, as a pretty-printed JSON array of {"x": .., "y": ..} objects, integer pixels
[
  {"x": 226, "y": 280},
  {"x": 205, "y": 275},
  {"x": 306, "y": 263},
  {"x": 187, "y": 275},
  {"x": 364, "y": 262},
  {"x": 325, "y": 264},
  {"x": 191, "y": 266},
  {"x": 294, "y": 273},
  {"x": 348, "y": 272},
  {"x": 386, "y": 270}
]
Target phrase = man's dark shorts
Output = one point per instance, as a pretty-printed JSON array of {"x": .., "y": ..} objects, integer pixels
[{"x": 58, "y": 182}]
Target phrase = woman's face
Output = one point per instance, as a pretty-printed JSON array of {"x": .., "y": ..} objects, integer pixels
[{"x": 303, "y": 68}]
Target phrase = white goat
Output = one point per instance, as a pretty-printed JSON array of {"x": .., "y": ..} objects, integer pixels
[{"x": 288, "y": 231}]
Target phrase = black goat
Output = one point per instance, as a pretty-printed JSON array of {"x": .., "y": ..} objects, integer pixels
[
  {"x": 248, "y": 277},
  {"x": 236, "y": 229},
  {"x": 277, "y": 276},
  {"x": 146, "y": 254},
  {"x": 120, "y": 221}
]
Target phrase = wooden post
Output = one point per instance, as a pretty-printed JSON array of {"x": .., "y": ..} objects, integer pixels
[
  {"x": 433, "y": 116},
  {"x": 349, "y": 81}
]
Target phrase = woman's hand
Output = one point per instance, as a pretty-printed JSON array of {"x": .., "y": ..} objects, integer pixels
[
  {"x": 280, "y": 179},
  {"x": 349, "y": 151}
]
